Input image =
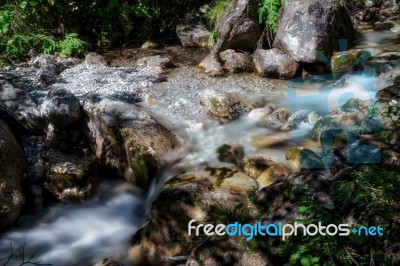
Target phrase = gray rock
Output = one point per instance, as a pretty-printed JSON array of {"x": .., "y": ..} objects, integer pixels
[
  {"x": 49, "y": 69},
  {"x": 275, "y": 64},
  {"x": 95, "y": 59},
  {"x": 193, "y": 36},
  {"x": 307, "y": 28},
  {"x": 193, "y": 32},
  {"x": 127, "y": 139},
  {"x": 61, "y": 108},
  {"x": 12, "y": 165},
  {"x": 257, "y": 114},
  {"x": 236, "y": 62},
  {"x": 223, "y": 107},
  {"x": 155, "y": 61},
  {"x": 18, "y": 107},
  {"x": 212, "y": 65},
  {"x": 279, "y": 116},
  {"x": 239, "y": 28}
]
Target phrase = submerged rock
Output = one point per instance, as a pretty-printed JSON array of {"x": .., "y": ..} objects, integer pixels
[
  {"x": 12, "y": 165},
  {"x": 301, "y": 158},
  {"x": 127, "y": 139},
  {"x": 279, "y": 117},
  {"x": 307, "y": 28},
  {"x": 108, "y": 262},
  {"x": 348, "y": 61},
  {"x": 230, "y": 153}
]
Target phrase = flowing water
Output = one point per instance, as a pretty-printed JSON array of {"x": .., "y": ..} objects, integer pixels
[{"x": 88, "y": 232}]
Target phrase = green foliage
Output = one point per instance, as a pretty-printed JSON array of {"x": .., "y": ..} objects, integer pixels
[
  {"x": 51, "y": 26},
  {"x": 72, "y": 45},
  {"x": 22, "y": 26},
  {"x": 371, "y": 197},
  {"x": 213, "y": 38},
  {"x": 215, "y": 13},
  {"x": 269, "y": 12}
]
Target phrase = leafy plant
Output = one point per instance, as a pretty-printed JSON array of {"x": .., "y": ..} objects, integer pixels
[
  {"x": 215, "y": 13},
  {"x": 72, "y": 45},
  {"x": 370, "y": 197},
  {"x": 269, "y": 12}
]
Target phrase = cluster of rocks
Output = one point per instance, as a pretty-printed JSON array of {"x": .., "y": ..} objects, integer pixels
[
  {"x": 296, "y": 45},
  {"x": 54, "y": 144},
  {"x": 255, "y": 188}
]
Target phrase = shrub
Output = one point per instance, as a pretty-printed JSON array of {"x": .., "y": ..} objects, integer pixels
[
  {"x": 269, "y": 12},
  {"x": 371, "y": 197}
]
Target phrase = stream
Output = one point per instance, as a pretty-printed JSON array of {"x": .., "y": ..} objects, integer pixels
[{"x": 85, "y": 233}]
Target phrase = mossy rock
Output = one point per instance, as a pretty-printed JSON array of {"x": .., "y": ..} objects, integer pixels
[
  {"x": 263, "y": 169},
  {"x": 347, "y": 61}
]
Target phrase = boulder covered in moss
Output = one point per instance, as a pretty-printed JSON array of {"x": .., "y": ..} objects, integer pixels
[
  {"x": 348, "y": 61},
  {"x": 127, "y": 139},
  {"x": 12, "y": 165}
]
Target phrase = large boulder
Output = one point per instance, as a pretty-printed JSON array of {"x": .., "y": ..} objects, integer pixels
[
  {"x": 61, "y": 108},
  {"x": 12, "y": 165},
  {"x": 274, "y": 63},
  {"x": 307, "y": 28},
  {"x": 238, "y": 28},
  {"x": 127, "y": 139},
  {"x": 19, "y": 109}
]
